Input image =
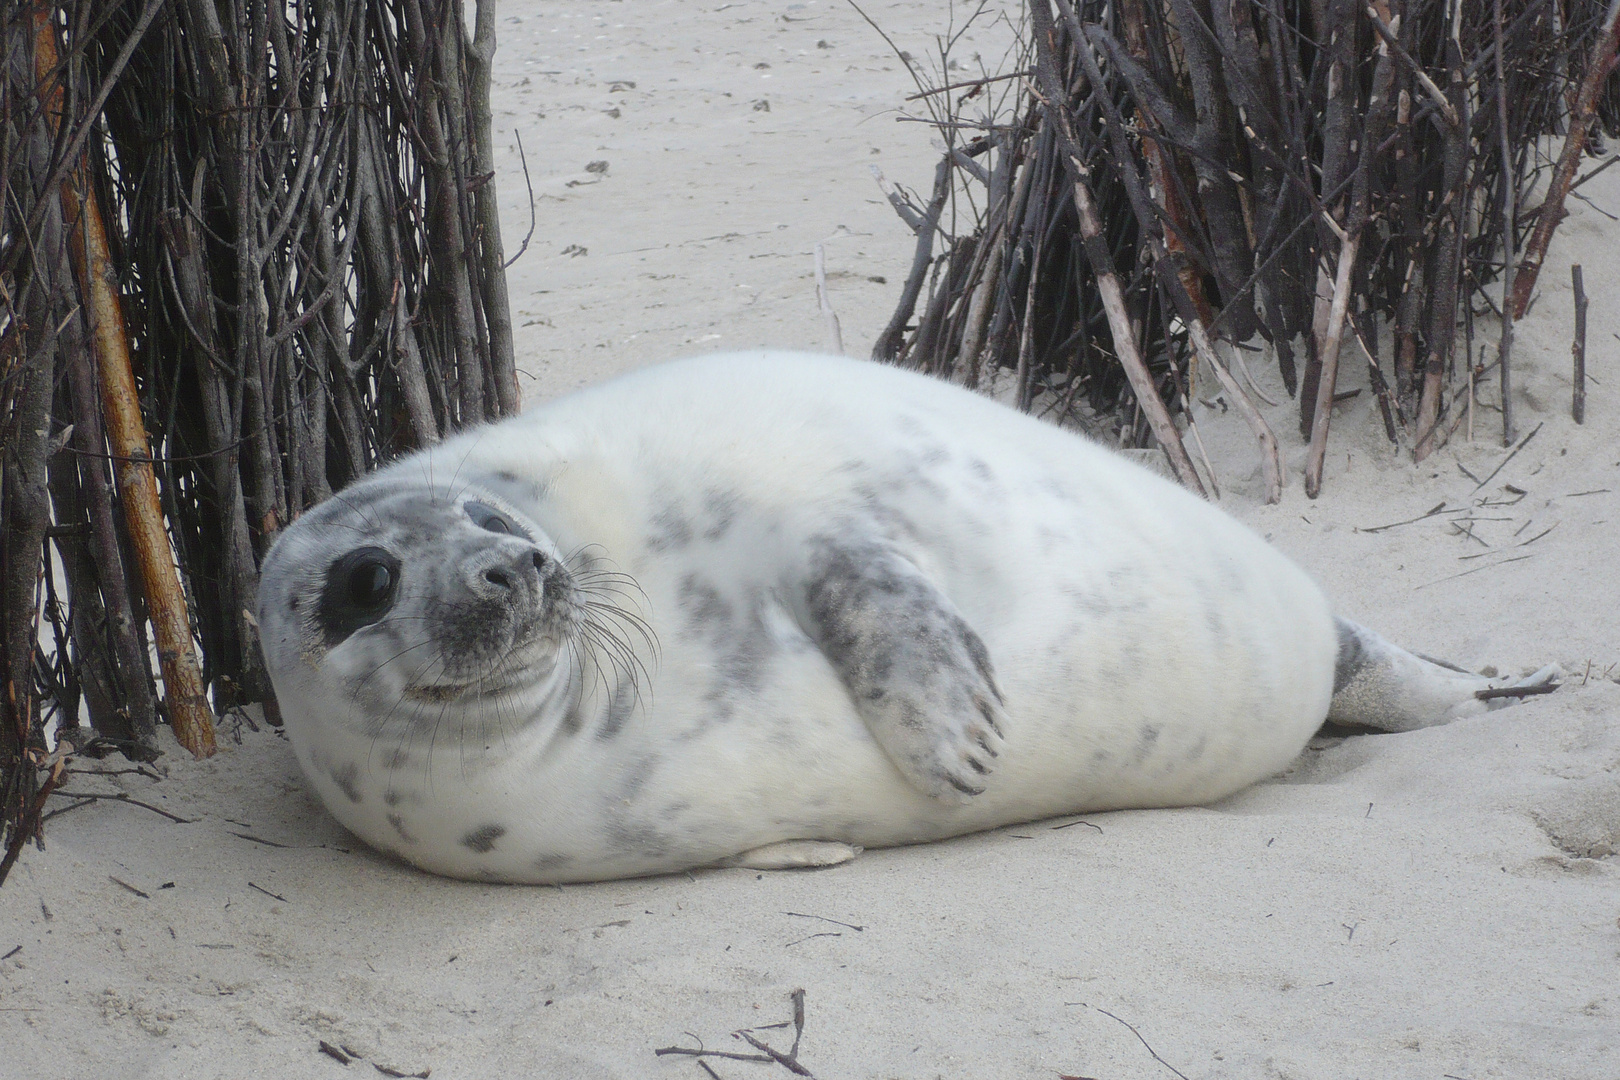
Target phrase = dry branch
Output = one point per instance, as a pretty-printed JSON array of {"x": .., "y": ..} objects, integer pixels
[
  {"x": 285, "y": 252},
  {"x": 1269, "y": 167},
  {"x": 1598, "y": 66}
]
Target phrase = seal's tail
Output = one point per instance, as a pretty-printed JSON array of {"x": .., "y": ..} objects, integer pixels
[{"x": 1380, "y": 685}]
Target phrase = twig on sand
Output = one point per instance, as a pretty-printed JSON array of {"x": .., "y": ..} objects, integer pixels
[
  {"x": 1397, "y": 524},
  {"x": 126, "y": 885},
  {"x": 777, "y": 1056},
  {"x": 1143, "y": 1041},
  {"x": 664, "y": 1051},
  {"x": 823, "y": 918},
  {"x": 121, "y": 797},
  {"x": 798, "y": 1021},
  {"x": 1475, "y": 570},
  {"x": 1522, "y": 443},
  {"x": 1577, "y": 407},
  {"x": 1515, "y": 691},
  {"x": 767, "y": 1054},
  {"x": 835, "y": 336}
]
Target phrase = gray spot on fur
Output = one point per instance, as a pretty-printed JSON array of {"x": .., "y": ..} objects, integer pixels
[
  {"x": 347, "y": 778},
  {"x": 1056, "y": 489},
  {"x": 671, "y": 530},
  {"x": 398, "y": 822},
  {"x": 742, "y": 665},
  {"x": 397, "y": 758},
  {"x": 482, "y": 839},
  {"x": 722, "y": 508},
  {"x": 1146, "y": 739},
  {"x": 619, "y": 709},
  {"x": 572, "y": 722},
  {"x": 702, "y": 603}
]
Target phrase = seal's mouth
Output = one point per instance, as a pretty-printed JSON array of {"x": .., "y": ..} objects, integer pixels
[
  {"x": 481, "y": 689},
  {"x": 437, "y": 693}
]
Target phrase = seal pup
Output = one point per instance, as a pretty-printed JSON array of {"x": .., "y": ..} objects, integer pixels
[{"x": 767, "y": 609}]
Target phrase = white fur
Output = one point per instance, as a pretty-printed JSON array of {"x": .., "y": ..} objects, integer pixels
[{"x": 1150, "y": 650}]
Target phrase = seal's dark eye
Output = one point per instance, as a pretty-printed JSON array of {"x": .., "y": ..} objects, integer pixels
[
  {"x": 359, "y": 590},
  {"x": 487, "y": 517},
  {"x": 370, "y": 584}
]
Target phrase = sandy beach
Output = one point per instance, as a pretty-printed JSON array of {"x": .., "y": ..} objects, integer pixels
[{"x": 1444, "y": 903}]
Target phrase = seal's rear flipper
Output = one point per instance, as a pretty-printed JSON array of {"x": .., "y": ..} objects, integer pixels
[{"x": 1380, "y": 685}]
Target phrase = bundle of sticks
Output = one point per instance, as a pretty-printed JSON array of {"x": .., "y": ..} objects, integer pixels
[
  {"x": 247, "y": 252},
  {"x": 1156, "y": 184}
]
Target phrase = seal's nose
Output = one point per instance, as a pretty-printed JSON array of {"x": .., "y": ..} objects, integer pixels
[{"x": 507, "y": 573}]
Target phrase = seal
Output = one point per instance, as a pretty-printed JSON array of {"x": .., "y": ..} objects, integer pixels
[{"x": 768, "y": 609}]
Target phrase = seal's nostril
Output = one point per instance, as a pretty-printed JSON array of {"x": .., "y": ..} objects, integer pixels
[
  {"x": 498, "y": 577},
  {"x": 540, "y": 562}
]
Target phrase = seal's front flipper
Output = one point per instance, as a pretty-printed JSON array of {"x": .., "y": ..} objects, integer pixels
[
  {"x": 919, "y": 676},
  {"x": 1380, "y": 685},
  {"x": 794, "y": 855}
]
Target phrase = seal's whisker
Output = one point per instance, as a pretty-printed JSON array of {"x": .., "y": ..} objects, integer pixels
[
  {"x": 626, "y": 664},
  {"x": 377, "y": 668},
  {"x": 629, "y": 619},
  {"x": 472, "y": 444},
  {"x": 344, "y": 498}
]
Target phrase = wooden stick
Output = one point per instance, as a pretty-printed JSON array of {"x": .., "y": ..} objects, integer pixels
[
  {"x": 969, "y": 83},
  {"x": 1450, "y": 256},
  {"x": 1174, "y": 284},
  {"x": 1510, "y": 198},
  {"x": 126, "y": 433},
  {"x": 1379, "y": 112},
  {"x": 189, "y": 712},
  {"x": 1119, "y": 321},
  {"x": 1577, "y": 408},
  {"x": 1102, "y": 263},
  {"x": 1270, "y": 459},
  {"x": 889, "y": 343},
  {"x": 497, "y": 310},
  {"x": 1446, "y": 108},
  {"x": 1323, "y": 411},
  {"x": 1598, "y": 65}
]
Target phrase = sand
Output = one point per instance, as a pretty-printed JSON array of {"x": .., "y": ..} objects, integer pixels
[{"x": 1442, "y": 903}]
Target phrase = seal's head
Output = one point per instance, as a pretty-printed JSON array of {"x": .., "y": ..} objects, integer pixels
[{"x": 412, "y": 602}]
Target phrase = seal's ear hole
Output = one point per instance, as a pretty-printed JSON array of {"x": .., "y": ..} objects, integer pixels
[
  {"x": 359, "y": 590},
  {"x": 491, "y": 519}
]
